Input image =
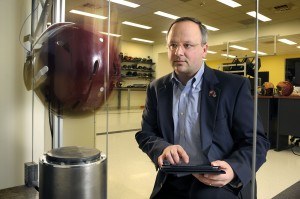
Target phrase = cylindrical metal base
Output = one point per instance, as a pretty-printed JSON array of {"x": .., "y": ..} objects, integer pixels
[{"x": 73, "y": 172}]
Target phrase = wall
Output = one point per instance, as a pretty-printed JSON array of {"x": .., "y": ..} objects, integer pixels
[
  {"x": 135, "y": 49},
  {"x": 163, "y": 65},
  {"x": 274, "y": 64},
  {"x": 217, "y": 63},
  {"x": 16, "y": 102}
]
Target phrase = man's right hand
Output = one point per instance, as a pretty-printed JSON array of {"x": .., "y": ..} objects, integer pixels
[{"x": 174, "y": 154}]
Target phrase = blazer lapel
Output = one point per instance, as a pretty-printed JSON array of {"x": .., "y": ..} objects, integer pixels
[
  {"x": 165, "y": 109},
  {"x": 209, "y": 105}
]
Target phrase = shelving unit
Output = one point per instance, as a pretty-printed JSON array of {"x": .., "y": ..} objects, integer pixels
[
  {"x": 136, "y": 74},
  {"x": 239, "y": 69}
]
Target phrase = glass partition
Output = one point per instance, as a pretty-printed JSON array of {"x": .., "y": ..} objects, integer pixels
[
  {"x": 75, "y": 67},
  {"x": 107, "y": 111}
]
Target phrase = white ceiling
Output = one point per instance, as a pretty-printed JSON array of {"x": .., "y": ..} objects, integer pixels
[{"x": 210, "y": 12}]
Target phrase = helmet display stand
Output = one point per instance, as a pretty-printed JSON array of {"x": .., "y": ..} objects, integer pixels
[{"x": 66, "y": 171}]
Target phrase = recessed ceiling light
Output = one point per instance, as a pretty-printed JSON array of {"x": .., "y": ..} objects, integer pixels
[
  {"x": 286, "y": 41},
  {"x": 142, "y": 40},
  {"x": 298, "y": 46},
  {"x": 211, "y": 52},
  {"x": 230, "y": 3},
  {"x": 136, "y": 25},
  {"x": 238, "y": 47},
  {"x": 87, "y": 14},
  {"x": 211, "y": 28},
  {"x": 259, "y": 16},
  {"x": 125, "y": 3},
  {"x": 167, "y": 15},
  {"x": 111, "y": 34},
  {"x": 258, "y": 52},
  {"x": 164, "y": 31},
  {"x": 226, "y": 55}
]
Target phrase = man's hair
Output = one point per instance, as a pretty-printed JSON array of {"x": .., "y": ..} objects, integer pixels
[{"x": 202, "y": 28}]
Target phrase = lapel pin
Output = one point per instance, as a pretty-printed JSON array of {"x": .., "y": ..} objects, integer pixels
[{"x": 212, "y": 93}]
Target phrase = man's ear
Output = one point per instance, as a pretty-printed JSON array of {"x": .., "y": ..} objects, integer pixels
[{"x": 204, "y": 49}]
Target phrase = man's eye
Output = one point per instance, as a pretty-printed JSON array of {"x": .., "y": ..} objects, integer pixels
[{"x": 187, "y": 46}]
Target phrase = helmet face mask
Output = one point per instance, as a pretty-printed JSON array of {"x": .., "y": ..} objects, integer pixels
[{"x": 71, "y": 70}]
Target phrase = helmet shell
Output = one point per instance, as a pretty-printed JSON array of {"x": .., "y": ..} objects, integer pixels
[
  {"x": 284, "y": 88},
  {"x": 267, "y": 89},
  {"x": 74, "y": 68}
]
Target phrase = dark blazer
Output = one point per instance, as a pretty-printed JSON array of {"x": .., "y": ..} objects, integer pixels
[{"x": 226, "y": 122}]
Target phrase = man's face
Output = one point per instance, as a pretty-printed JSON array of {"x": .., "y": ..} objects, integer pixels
[{"x": 185, "y": 50}]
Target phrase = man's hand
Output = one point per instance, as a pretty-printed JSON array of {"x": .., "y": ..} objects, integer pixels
[
  {"x": 218, "y": 180},
  {"x": 175, "y": 154}
]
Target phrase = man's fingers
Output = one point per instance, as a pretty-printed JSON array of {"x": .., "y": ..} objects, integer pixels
[
  {"x": 160, "y": 161},
  {"x": 179, "y": 155},
  {"x": 174, "y": 154},
  {"x": 219, "y": 163},
  {"x": 184, "y": 156},
  {"x": 209, "y": 181}
]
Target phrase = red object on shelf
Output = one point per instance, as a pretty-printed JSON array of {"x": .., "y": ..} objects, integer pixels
[{"x": 284, "y": 88}]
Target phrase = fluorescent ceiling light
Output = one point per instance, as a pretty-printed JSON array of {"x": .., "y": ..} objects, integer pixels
[
  {"x": 226, "y": 55},
  {"x": 238, "y": 47},
  {"x": 136, "y": 25},
  {"x": 259, "y": 16},
  {"x": 125, "y": 3},
  {"x": 111, "y": 34},
  {"x": 167, "y": 15},
  {"x": 87, "y": 14},
  {"x": 211, "y": 28},
  {"x": 286, "y": 41},
  {"x": 259, "y": 53},
  {"x": 230, "y": 3},
  {"x": 207, "y": 26},
  {"x": 142, "y": 40},
  {"x": 211, "y": 52}
]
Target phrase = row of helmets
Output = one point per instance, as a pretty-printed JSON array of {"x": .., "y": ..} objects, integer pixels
[{"x": 283, "y": 88}]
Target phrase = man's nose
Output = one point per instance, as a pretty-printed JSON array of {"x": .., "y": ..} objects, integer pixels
[{"x": 179, "y": 50}]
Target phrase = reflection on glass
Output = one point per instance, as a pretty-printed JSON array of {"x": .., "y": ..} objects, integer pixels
[{"x": 75, "y": 66}]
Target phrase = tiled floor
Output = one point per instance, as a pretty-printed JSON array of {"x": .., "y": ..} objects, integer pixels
[{"x": 131, "y": 175}]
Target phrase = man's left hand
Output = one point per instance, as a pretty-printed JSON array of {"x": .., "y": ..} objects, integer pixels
[{"x": 217, "y": 180}]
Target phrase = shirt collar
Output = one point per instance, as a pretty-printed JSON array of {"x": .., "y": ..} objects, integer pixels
[{"x": 195, "y": 81}]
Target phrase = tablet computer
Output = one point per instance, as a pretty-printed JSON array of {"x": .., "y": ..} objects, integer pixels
[{"x": 199, "y": 169}]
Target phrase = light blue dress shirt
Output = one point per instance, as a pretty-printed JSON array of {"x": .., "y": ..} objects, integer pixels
[{"x": 186, "y": 116}]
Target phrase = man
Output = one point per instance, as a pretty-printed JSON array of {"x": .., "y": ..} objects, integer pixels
[{"x": 197, "y": 115}]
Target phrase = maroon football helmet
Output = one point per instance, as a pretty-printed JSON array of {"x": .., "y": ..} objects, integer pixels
[
  {"x": 284, "y": 88},
  {"x": 70, "y": 69}
]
